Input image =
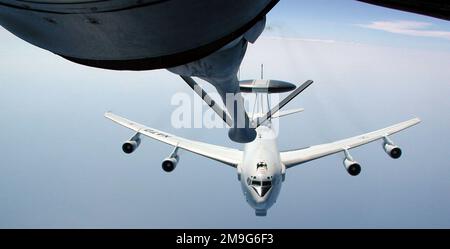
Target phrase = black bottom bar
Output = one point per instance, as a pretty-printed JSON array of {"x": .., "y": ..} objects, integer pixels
[{"x": 252, "y": 238}]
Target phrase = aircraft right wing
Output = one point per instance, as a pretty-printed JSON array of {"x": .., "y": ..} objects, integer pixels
[
  {"x": 225, "y": 155},
  {"x": 295, "y": 157}
]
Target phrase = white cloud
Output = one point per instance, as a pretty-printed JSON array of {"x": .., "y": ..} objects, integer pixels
[
  {"x": 422, "y": 29},
  {"x": 298, "y": 39}
]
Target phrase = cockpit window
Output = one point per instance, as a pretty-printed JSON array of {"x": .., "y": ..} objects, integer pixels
[
  {"x": 256, "y": 183},
  {"x": 266, "y": 183}
]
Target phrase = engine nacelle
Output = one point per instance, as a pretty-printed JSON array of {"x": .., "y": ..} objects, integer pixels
[
  {"x": 352, "y": 167},
  {"x": 392, "y": 150},
  {"x": 169, "y": 164},
  {"x": 131, "y": 145}
]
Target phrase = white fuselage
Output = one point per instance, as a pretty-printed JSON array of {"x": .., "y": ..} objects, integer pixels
[{"x": 261, "y": 172}]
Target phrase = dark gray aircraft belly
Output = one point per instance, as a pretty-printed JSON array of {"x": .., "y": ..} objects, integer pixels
[
  {"x": 435, "y": 8},
  {"x": 131, "y": 35}
]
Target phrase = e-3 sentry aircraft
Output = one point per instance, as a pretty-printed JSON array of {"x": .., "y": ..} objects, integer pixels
[{"x": 261, "y": 167}]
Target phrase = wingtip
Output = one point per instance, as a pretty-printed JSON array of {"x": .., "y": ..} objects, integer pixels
[{"x": 107, "y": 114}]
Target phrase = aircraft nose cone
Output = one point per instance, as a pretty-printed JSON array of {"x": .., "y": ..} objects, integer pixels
[{"x": 260, "y": 200}]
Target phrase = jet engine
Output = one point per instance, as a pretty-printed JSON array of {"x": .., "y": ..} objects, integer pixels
[
  {"x": 132, "y": 144},
  {"x": 391, "y": 149},
  {"x": 169, "y": 164},
  {"x": 352, "y": 167}
]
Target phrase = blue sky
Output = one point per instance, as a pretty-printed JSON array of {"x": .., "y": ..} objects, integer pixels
[
  {"x": 344, "y": 21},
  {"x": 62, "y": 166}
]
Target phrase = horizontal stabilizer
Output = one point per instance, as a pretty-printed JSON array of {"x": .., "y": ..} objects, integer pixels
[
  {"x": 280, "y": 114},
  {"x": 286, "y": 100}
]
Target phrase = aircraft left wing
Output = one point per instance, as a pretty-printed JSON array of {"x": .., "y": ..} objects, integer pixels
[
  {"x": 225, "y": 155},
  {"x": 295, "y": 157}
]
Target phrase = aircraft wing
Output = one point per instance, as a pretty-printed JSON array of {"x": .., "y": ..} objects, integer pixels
[
  {"x": 225, "y": 155},
  {"x": 295, "y": 157}
]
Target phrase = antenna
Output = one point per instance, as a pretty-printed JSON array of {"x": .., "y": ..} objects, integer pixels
[{"x": 262, "y": 71}]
